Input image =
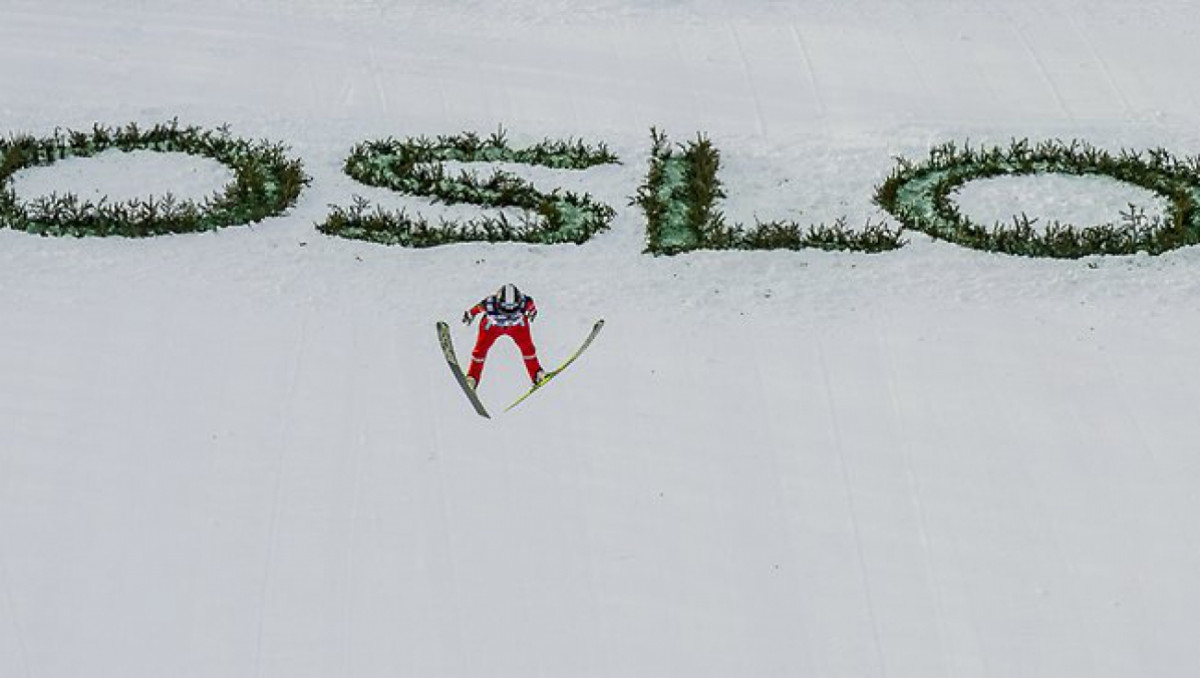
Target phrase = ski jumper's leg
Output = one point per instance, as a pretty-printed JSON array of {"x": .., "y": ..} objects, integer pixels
[
  {"x": 488, "y": 334},
  {"x": 524, "y": 339}
]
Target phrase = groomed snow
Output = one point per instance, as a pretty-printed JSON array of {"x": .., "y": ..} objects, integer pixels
[
  {"x": 240, "y": 454},
  {"x": 124, "y": 176},
  {"x": 1079, "y": 200}
]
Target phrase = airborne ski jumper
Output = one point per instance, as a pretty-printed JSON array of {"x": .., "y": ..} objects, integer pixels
[
  {"x": 508, "y": 312},
  {"x": 505, "y": 313}
]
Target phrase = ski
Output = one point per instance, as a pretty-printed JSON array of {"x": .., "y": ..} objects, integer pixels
[
  {"x": 550, "y": 375},
  {"x": 452, "y": 360}
]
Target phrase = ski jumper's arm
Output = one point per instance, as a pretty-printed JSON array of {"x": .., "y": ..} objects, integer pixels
[
  {"x": 470, "y": 313},
  {"x": 530, "y": 309}
]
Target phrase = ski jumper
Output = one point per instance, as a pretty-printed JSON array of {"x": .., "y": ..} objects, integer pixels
[{"x": 497, "y": 323}]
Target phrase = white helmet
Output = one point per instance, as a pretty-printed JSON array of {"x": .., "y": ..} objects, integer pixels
[{"x": 509, "y": 298}]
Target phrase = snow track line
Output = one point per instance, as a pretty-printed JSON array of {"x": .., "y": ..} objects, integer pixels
[
  {"x": 914, "y": 486},
  {"x": 1044, "y": 74},
  {"x": 760, "y": 123},
  {"x": 812, "y": 73},
  {"x": 277, "y": 492},
  {"x": 522, "y": 583},
  {"x": 446, "y": 542},
  {"x": 1074, "y": 606},
  {"x": 374, "y": 64},
  {"x": 929, "y": 88},
  {"x": 604, "y": 650},
  {"x": 12, "y": 615},
  {"x": 844, "y": 472},
  {"x": 1047, "y": 524},
  {"x": 1098, "y": 57},
  {"x": 355, "y": 506},
  {"x": 789, "y": 521},
  {"x": 1116, "y": 376}
]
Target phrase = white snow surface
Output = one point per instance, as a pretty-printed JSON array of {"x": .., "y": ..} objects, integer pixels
[
  {"x": 241, "y": 454},
  {"x": 1082, "y": 201},
  {"x": 118, "y": 176}
]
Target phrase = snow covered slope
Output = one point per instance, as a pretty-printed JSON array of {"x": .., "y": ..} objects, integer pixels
[{"x": 240, "y": 454}]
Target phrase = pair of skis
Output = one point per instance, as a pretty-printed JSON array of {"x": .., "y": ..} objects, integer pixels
[{"x": 443, "y": 331}]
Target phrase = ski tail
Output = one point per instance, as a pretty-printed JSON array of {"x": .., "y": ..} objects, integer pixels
[{"x": 443, "y": 331}]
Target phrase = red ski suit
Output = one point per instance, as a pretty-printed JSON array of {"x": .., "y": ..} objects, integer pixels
[{"x": 497, "y": 323}]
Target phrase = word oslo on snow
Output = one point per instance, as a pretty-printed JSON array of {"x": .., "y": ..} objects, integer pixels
[{"x": 680, "y": 196}]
